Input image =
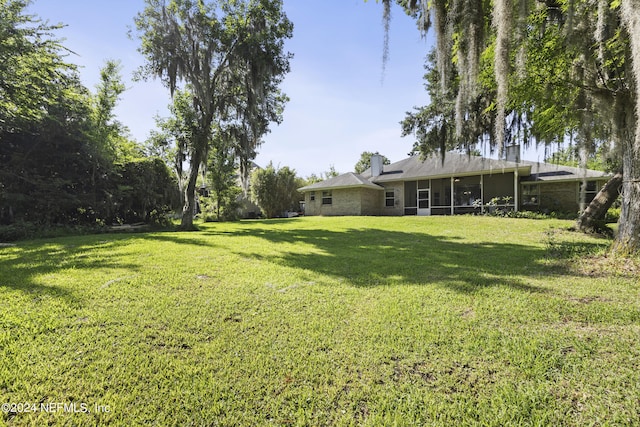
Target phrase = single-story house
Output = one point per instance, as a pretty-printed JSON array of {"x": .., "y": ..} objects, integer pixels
[{"x": 456, "y": 185}]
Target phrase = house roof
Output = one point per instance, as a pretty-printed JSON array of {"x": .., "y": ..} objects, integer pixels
[
  {"x": 454, "y": 164},
  {"x": 346, "y": 180},
  {"x": 541, "y": 172},
  {"x": 434, "y": 167}
]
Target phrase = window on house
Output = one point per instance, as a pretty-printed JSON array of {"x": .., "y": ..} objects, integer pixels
[
  {"x": 590, "y": 191},
  {"x": 390, "y": 198},
  {"x": 326, "y": 198},
  {"x": 531, "y": 195},
  {"x": 312, "y": 196}
]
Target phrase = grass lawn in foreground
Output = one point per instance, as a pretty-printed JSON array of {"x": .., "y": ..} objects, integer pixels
[{"x": 321, "y": 321}]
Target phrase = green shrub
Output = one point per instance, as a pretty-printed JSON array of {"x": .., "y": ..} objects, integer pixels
[
  {"x": 612, "y": 215},
  {"x": 160, "y": 217},
  {"x": 532, "y": 215},
  {"x": 17, "y": 231},
  {"x": 228, "y": 207},
  {"x": 275, "y": 190},
  {"x": 23, "y": 230}
]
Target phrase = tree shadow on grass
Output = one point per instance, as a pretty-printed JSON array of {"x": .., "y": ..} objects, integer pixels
[
  {"x": 373, "y": 257},
  {"x": 24, "y": 267},
  {"x": 362, "y": 257}
]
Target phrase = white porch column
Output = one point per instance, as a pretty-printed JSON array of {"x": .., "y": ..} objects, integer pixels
[
  {"x": 516, "y": 186},
  {"x": 452, "y": 194},
  {"x": 482, "y": 194}
]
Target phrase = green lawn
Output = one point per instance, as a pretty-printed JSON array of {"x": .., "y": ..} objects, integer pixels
[{"x": 322, "y": 321}]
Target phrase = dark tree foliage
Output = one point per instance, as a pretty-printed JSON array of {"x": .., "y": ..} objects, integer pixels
[
  {"x": 31, "y": 62},
  {"x": 436, "y": 126},
  {"x": 222, "y": 176},
  {"x": 47, "y": 166},
  {"x": 146, "y": 191},
  {"x": 63, "y": 159}
]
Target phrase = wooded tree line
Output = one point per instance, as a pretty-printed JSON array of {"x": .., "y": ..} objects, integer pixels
[
  {"x": 71, "y": 161},
  {"x": 65, "y": 158},
  {"x": 502, "y": 72},
  {"x": 535, "y": 72}
]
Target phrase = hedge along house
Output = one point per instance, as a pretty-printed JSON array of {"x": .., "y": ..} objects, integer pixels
[{"x": 460, "y": 184}]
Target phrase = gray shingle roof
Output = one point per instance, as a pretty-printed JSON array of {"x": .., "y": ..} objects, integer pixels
[
  {"x": 346, "y": 180},
  {"x": 454, "y": 165},
  {"x": 553, "y": 172},
  {"x": 434, "y": 167}
]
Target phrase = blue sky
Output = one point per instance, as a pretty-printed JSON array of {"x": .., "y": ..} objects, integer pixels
[{"x": 340, "y": 105}]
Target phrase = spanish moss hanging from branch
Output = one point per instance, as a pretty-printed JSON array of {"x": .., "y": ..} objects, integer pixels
[
  {"x": 386, "y": 21},
  {"x": 552, "y": 67},
  {"x": 502, "y": 21}
]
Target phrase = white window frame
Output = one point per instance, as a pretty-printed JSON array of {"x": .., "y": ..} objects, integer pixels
[
  {"x": 327, "y": 198},
  {"x": 391, "y": 198}
]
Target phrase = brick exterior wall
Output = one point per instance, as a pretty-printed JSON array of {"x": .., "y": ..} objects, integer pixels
[
  {"x": 398, "y": 208},
  {"x": 371, "y": 201},
  {"x": 559, "y": 197},
  {"x": 311, "y": 207},
  {"x": 347, "y": 202}
]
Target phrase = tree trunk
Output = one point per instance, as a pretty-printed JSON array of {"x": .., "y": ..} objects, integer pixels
[
  {"x": 190, "y": 190},
  {"x": 218, "y": 198},
  {"x": 189, "y": 201},
  {"x": 594, "y": 213},
  {"x": 628, "y": 238}
]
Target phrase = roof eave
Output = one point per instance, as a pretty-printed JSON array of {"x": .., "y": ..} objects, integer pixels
[
  {"x": 574, "y": 179},
  {"x": 524, "y": 170},
  {"x": 340, "y": 187}
]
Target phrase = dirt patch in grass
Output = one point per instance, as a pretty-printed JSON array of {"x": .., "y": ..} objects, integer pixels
[
  {"x": 589, "y": 299},
  {"x": 605, "y": 266}
]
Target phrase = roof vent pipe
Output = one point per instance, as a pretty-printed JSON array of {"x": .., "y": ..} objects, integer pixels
[{"x": 376, "y": 165}]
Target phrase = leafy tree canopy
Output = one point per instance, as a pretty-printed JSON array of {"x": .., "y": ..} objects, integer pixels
[
  {"x": 65, "y": 158},
  {"x": 276, "y": 190},
  {"x": 365, "y": 161},
  {"x": 536, "y": 72},
  {"x": 231, "y": 55},
  {"x": 31, "y": 65}
]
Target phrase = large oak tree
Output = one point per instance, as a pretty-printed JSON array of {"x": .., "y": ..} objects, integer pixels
[
  {"x": 543, "y": 71},
  {"x": 231, "y": 55}
]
